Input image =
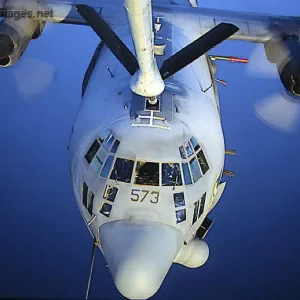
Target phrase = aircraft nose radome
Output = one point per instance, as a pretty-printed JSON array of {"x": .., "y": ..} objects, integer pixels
[
  {"x": 139, "y": 255},
  {"x": 138, "y": 283}
]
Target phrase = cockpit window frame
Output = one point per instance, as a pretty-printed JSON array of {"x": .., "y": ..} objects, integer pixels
[
  {"x": 199, "y": 207},
  {"x": 189, "y": 173},
  {"x": 136, "y": 173},
  {"x": 180, "y": 207},
  {"x": 105, "y": 206},
  {"x": 195, "y": 144},
  {"x": 111, "y": 177},
  {"x": 182, "y": 152},
  {"x": 100, "y": 159},
  {"x": 179, "y": 179},
  {"x": 110, "y": 192},
  {"x": 107, "y": 166},
  {"x": 104, "y": 155},
  {"x": 187, "y": 145},
  {"x": 108, "y": 142},
  {"x": 202, "y": 162},
  {"x": 91, "y": 153},
  {"x": 87, "y": 198},
  {"x": 179, "y": 200},
  {"x": 195, "y": 176},
  {"x": 202, "y": 205},
  {"x": 196, "y": 211},
  {"x": 115, "y": 146},
  {"x": 201, "y": 159}
]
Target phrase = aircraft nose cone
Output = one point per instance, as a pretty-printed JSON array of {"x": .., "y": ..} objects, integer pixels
[
  {"x": 139, "y": 255},
  {"x": 138, "y": 282}
]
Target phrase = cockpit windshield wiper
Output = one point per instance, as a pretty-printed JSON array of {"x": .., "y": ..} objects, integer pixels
[
  {"x": 116, "y": 173},
  {"x": 176, "y": 181}
]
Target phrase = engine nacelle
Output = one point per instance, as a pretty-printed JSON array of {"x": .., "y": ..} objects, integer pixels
[
  {"x": 39, "y": 30},
  {"x": 194, "y": 254},
  {"x": 285, "y": 53},
  {"x": 15, "y": 36}
]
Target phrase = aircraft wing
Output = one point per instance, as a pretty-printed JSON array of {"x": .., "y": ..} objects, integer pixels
[
  {"x": 253, "y": 27},
  {"x": 18, "y": 31}
]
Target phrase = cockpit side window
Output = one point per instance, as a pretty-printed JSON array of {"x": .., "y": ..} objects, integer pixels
[
  {"x": 199, "y": 208},
  {"x": 179, "y": 199},
  {"x": 110, "y": 193},
  {"x": 96, "y": 165},
  {"x": 147, "y": 173},
  {"x": 98, "y": 160},
  {"x": 115, "y": 146},
  {"x": 202, "y": 204},
  {"x": 92, "y": 151},
  {"x": 195, "y": 144},
  {"x": 107, "y": 166},
  {"x": 108, "y": 142},
  {"x": 101, "y": 155},
  {"x": 180, "y": 215},
  {"x": 180, "y": 210},
  {"x": 186, "y": 174},
  {"x": 97, "y": 155},
  {"x": 203, "y": 162},
  {"x": 196, "y": 209},
  {"x": 87, "y": 198},
  {"x": 85, "y": 190},
  {"x": 198, "y": 162},
  {"x": 196, "y": 173},
  {"x": 188, "y": 148},
  {"x": 220, "y": 177},
  {"x": 122, "y": 170},
  {"x": 182, "y": 152},
  {"x": 171, "y": 174},
  {"x": 105, "y": 209}
]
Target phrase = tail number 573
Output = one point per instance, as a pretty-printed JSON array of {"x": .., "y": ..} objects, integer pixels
[{"x": 141, "y": 195}]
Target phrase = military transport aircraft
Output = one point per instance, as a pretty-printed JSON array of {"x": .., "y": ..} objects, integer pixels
[{"x": 147, "y": 147}]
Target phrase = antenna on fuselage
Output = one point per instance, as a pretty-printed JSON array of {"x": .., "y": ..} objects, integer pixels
[
  {"x": 228, "y": 173},
  {"x": 152, "y": 100},
  {"x": 95, "y": 244},
  {"x": 230, "y": 152}
]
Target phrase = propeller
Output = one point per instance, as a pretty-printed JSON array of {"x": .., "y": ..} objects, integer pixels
[
  {"x": 281, "y": 110},
  {"x": 106, "y": 34},
  {"x": 197, "y": 48},
  {"x": 170, "y": 66},
  {"x": 33, "y": 83}
]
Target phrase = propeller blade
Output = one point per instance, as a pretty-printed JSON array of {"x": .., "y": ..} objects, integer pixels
[
  {"x": 106, "y": 34},
  {"x": 259, "y": 65},
  {"x": 34, "y": 82},
  {"x": 280, "y": 111},
  {"x": 196, "y": 49}
]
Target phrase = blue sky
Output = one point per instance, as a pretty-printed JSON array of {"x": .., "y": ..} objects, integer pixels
[{"x": 45, "y": 247}]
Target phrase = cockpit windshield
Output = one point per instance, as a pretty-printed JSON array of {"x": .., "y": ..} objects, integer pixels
[
  {"x": 171, "y": 174},
  {"x": 108, "y": 141},
  {"x": 122, "y": 170},
  {"x": 147, "y": 173},
  {"x": 194, "y": 163},
  {"x": 101, "y": 156},
  {"x": 188, "y": 149}
]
